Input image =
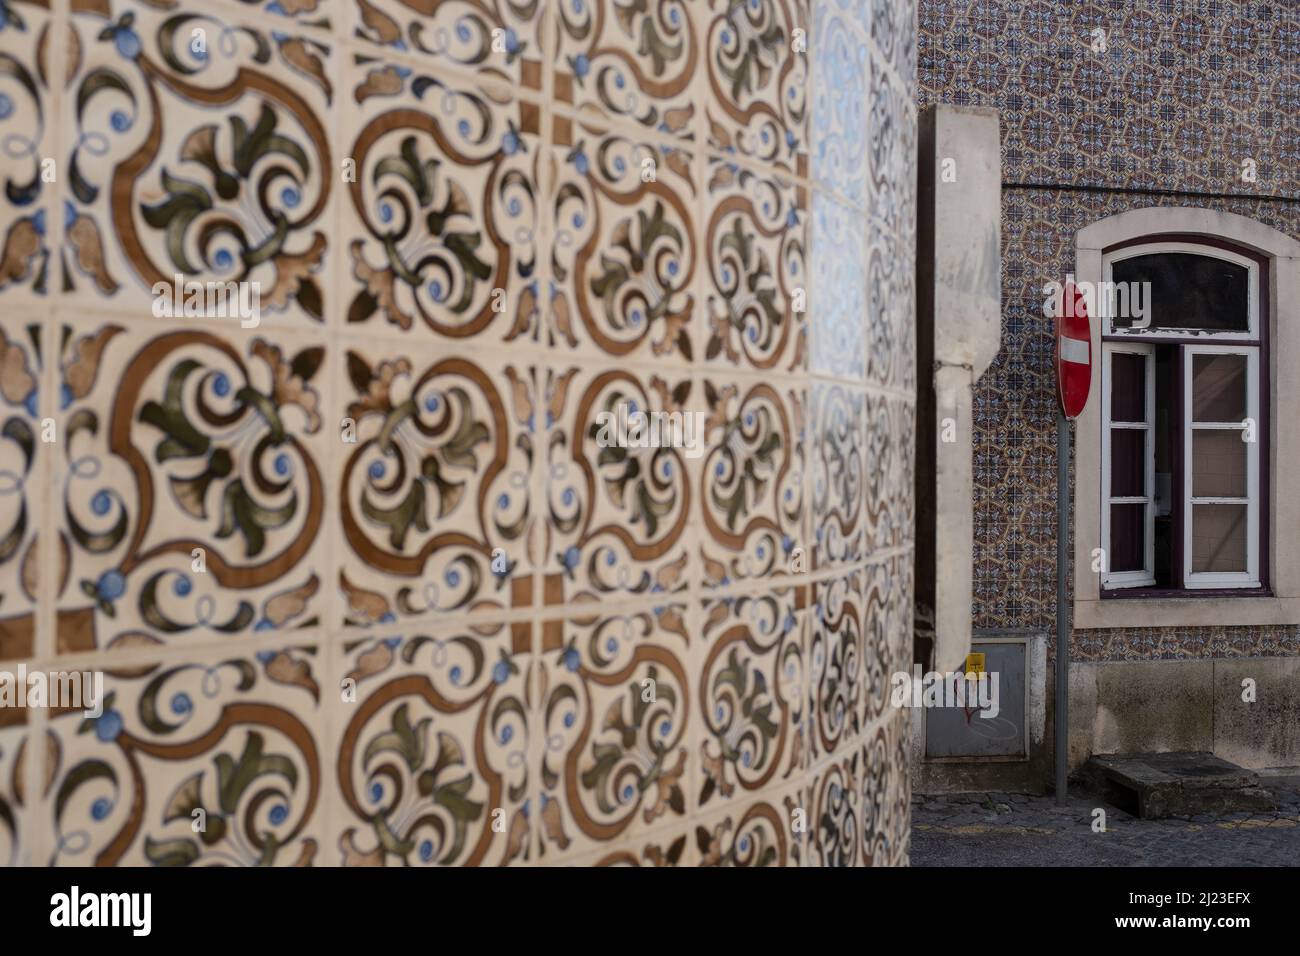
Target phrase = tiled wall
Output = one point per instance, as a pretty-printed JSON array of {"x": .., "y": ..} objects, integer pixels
[
  {"x": 1184, "y": 92},
  {"x": 435, "y": 623}
]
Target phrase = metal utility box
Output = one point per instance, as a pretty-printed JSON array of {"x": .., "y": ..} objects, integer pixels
[{"x": 961, "y": 733}]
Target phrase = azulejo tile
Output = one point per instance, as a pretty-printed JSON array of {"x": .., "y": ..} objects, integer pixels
[
  {"x": 17, "y": 828},
  {"x": 1160, "y": 65},
  {"x": 856, "y": 12},
  {"x": 905, "y": 172},
  {"x": 757, "y": 275},
  {"x": 839, "y": 289},
  {"x": 893, "y": 28},
  {"x": 497, "y": 41},
  {"x": 758, "y": 74},
  {"x": 883, "y": 797},
  {"x": 495, "y": 636},
  {"x": 752, "y": 700},
  {"x": 884, "y": 472},
  {"x": 902, "y": 493},
  {"x": 198, "y": 147},
  {"x": 862, "y": 804},
  {"x": 898, "y": 803},
  {"x": 319, "y": 14},
  {"x": 837, "y": 422},
  {"x": 27, "y": 127},
  {"x": 882, "y": 625},
  {"x": 624, "y": 253},
  {"x": 833, "y": 818},
  {"x": 434, "y": 483},
  {"x": 629, "y": 60},
  {"x": 433, "y": 749},
  {"x": 440, "y": 212},
  {"x": 766, "y": 831},
  {"x": 891, "y": 153},
  {"x": 616, "y": 514},
  {"x": 662, "y": 850},
  {"x": 22, "y": 502},
  {"x": 838, "y": 665},
  {"x": 899, "y": 591},
  {"x": 616, "y": 720},
  {"x": 891, "y": 311},
  {"x": 203, "y": 762},
  {"x": 878, "y": 799},
  {"x": 191, "y": 484},
  {"x": 840, "y": 111},
  {"x": 886, "y": 321},
  {"x": 751, "y": 481}
]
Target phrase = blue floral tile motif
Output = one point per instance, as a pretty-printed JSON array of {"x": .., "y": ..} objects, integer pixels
[
  {"x": 758, "y": 80},
  {"x": 1179, "y": 94},
  {"x": 26, "y": 134},
  {"x": 891, "y": 340},
  {"x": 839, "y": 115},
  {"x": 890, "y": 150},
  {"x": 856, "y": 11},
  {"x": 370, "y": 584},
  {"x": 839, "y": 293},
  {"x": 893, "y": 30},
  {"x": 497, "y": 41},
  {"x": 197, "y": 761}
]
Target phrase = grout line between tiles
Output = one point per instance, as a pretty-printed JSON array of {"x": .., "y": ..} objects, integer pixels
[{"x": 52, "y": 454}]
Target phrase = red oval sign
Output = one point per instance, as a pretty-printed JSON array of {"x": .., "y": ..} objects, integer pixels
[{"x": 1073, "y": 352}]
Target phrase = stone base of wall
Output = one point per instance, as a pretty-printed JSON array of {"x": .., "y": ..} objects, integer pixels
[
  {"x": 1156, "y": 706},
  {"x": 1146, "y": 707}
]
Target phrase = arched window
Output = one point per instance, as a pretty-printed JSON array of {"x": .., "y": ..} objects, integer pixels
[
  {"x": 1182, "y": 496},
  {"x": 1182, "y": 398}
]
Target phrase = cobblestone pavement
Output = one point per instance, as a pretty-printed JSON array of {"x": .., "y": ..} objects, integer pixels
[{"x": 1012, "y": 829}]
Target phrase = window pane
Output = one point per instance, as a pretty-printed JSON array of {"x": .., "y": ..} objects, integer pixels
[
  {"x": 1128, "y": 543},
  {"x": 1219, "y": 538},
  {"x": 1188, "y": 291},
  {"x": 1127, "y": 463},
  {"x": 1218, "y": 388},
  {"x": 1218, "y": 464},
  {"x": 1128, "y": 388}
]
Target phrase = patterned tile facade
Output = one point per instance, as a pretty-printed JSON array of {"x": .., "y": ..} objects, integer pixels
[
  {"x": 366, "y": 584},
  {"x": 1154, "y": 94},
  {"x": 1182, "y": 94}
]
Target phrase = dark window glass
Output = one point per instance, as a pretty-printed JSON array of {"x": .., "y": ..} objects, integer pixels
[
  {"x": 1188, "y": 291},
  {"x": 1128, "y": 448},
  {"x": 1218, "y": 388},
  {"x": 1128, "y": 537},
  {"x": 1218, "y": 464},
  {"x": 1219, "y": 538},
  {"x": 1128, "y": 389}
]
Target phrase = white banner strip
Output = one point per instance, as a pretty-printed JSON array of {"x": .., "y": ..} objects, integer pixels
[{"x": 1074, "y": 350}]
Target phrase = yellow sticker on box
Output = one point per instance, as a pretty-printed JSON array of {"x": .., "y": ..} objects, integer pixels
[{"x": 974, "y": 663}]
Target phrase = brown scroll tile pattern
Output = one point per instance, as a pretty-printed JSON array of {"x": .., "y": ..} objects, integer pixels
[{"x": 369, "y": 579}]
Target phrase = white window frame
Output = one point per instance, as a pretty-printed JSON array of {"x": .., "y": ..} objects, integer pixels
[
  {"x": 1211, "y": 579},
  {"x": 1211, "y": 252},
  {"x": 1279, "y": 319},
  {"x": 1147, "y": 576}
]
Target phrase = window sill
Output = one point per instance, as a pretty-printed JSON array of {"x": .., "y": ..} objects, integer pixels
[
  {"x": 1186, "y": 609},
  {"x": 1183, "y": 594}
]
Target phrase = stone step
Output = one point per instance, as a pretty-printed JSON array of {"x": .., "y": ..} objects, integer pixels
[{"x": 1152, "y": 786}]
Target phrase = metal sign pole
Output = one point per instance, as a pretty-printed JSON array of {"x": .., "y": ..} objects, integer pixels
[{"x": 1062, "y": 611}]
